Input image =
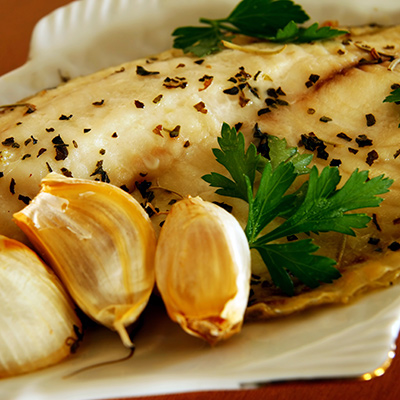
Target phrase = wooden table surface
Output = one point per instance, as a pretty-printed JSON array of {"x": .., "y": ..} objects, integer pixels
[{"x": 17, "y": 19}]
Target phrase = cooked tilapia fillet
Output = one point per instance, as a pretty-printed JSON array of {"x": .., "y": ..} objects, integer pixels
[{"x": 157, "y": 119}]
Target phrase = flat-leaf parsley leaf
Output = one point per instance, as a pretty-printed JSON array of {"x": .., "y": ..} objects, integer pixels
[
  {"x": 273, "y": 20},
  {"x": 317, "y": 206},
  {"x": 393, "y": 97}
]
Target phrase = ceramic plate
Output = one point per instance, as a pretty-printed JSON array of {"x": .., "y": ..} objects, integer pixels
[{"x": 346, "y": 341}]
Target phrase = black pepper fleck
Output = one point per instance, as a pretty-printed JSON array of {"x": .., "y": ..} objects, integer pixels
[
  {"x": 86, "y": 130},
  {"x": 98, "y": 103},
  {"x": 175, "y": 132},
  {"x": 232, "y": 91},
  {"x": 100, "y": 171},
  {"x": 238, "y": 126},
  {"x": 372, "y": 156},
  {"x": 207, "y": 77},
  {"x": 313, "y": 143},
  {"x": 24, "y": 157},
  {"x": 312, "y": 79},
  {"x": 363, "y": 141},
  {"x": 50, "y": 129},
  {"x": 280, "y": 91},
  {"x": 335, "y": 163},
  {"x": 201, "y": 107},
  {"x": 395, "y": 246},
  {"x": 325, "y": 119},
  {"x": 376, "y": 223},
  {"x": 66, "y": 172},
  {"x": 373, "y": 241},
  {"x": 143, "y": 188},
  {"x": 65, "y": 117},
  {"x": 25, "y": 199},
  {"x": 174, "y": 83},
  {"x": 395, "y": 155},
  {"x": 263, "y": 111},
  {"x": 157, "y": 99},
  {"x": 114, "y": 135},
  {"x": 12, "y": 186},
  {"x": 342, "y": 135},
  {"x": 30, "y": 110},
  {"x": 41, "y": 151},
  {"x": 143, "y": 72},
  {"x": 271, "y": 92},
  {"x": 60, "y": 147},
  {"x": 370, "y": 119},
  {"x": 139, "y": 104},
  {"x": 351, "y": 150},
  {"x": 10, "y": 142},
  {"x": 256, "y": 75}
]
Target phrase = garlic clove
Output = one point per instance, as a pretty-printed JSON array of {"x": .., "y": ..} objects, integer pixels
[
  {"x": 38, "y": 323},
  {"x": 101, "y": 244},
  {"x": 203, "y": 269}
]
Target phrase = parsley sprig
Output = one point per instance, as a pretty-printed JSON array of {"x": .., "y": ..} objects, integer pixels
[
  {"x": 272, "y": 20},
  {"x": 393, "y": 97},
  {"x": 317, "y": 206}
]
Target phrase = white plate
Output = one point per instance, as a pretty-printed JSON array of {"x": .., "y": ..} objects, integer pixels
[{"x": 329, "y": 342}]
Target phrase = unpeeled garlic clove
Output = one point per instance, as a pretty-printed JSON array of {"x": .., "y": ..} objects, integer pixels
[
  {"x": 38, "y": 323},
  {"x": 203, "y": 269},
  {"x": 101, "y": 244}
]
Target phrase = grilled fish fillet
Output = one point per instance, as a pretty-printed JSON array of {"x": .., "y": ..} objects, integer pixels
[{"x": 157, "y": 119}]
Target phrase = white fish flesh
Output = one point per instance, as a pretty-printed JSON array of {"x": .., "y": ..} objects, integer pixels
[{"x": 157, "y": 119}]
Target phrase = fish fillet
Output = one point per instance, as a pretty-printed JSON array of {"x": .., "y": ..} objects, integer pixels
[{"x": 155, "y": 120}]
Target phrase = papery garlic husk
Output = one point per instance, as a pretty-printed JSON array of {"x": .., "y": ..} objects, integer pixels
[
  {"x": 100, "y": 242},
  {"x": 38, "y": 323},
  {"x": 203, "y": 269}
]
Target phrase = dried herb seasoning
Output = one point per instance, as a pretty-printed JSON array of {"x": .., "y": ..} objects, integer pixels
[
  {"x": 60, "y": 147},
  {"x": 371, "y": 120},
  {"x": 25, "y": 199},
  {"x": 143, "y": 72},
  {"x": 100, "y": 171},
  {"x": 363, "y": 141},
  {"x": 65, "y": 117}
]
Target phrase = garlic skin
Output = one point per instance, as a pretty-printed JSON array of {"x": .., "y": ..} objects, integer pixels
[
  {"x": 203, "y": 269},
  {"x": 38, "y": 323},
  {"x": 101, "y": 244}
]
